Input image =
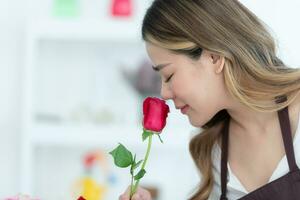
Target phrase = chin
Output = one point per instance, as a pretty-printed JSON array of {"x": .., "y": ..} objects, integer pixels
[{"x": 196, "y": 123}]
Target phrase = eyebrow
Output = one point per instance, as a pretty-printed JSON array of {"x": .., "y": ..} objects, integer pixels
[{"x": 159, "y": 67}]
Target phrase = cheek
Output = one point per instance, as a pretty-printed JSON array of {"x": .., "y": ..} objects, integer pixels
[
  {"x": 181, "y": 87},
  {"x": 186, "y": 85},
  {"x": 198, "y": 89},
  {"x": 200, "y": 93}
]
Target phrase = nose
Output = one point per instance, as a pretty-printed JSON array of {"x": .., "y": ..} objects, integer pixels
[{"x": 166, "y": 92}]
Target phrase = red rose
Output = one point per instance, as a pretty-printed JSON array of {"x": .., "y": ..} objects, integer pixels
[
  {"x": 81, "y": 198},
  {"x": 155, "y": 114}
]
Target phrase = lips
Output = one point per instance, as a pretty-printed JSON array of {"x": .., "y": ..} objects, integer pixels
[
  {"x": 179, "y": 107},
  {"x": 184, "y": 109}
]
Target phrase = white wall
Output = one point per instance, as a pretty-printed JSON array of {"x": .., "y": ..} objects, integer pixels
[
  {"x": 280, "y": 15},
  {"x": 11, "y": 55},
  {"x": 283, "y": 19}
]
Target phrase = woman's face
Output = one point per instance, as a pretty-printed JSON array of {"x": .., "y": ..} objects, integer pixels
[{"x": 196, "y": 85}]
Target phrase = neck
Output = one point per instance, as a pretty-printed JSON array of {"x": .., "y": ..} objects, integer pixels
[{"x": 248, "y": 121}]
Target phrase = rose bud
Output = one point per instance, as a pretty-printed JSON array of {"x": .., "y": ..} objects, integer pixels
[{"x": 155, "y": 112}]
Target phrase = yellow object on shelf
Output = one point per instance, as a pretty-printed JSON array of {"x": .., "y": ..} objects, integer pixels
[
  {"x": 88, "y": 185},
  {"x": 90, "y": 190}
]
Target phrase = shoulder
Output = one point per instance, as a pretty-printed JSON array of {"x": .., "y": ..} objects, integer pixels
[
  {"x": 295, "y": 105},
  {"x": 294, "y": 111}
]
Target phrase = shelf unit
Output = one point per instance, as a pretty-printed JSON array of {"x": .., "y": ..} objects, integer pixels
[
  {"x": 56, "y": 135},
  {"x": 37, "y": 134},
  {"x": 93, "y": 30}
]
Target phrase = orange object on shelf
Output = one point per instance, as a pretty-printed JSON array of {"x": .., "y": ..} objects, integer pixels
[{"x": 87, "y": 186}]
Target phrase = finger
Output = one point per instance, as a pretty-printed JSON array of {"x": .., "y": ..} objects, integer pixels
[
  {"x": 145, "y": 194},
  {"x": 125, "y": 195},
  {"x": 136, "y": 197}
]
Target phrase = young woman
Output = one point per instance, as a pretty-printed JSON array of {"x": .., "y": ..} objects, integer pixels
[{"x": 218, "y": 64}]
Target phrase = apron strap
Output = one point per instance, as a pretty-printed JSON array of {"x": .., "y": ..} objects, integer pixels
[
  {"x": 284, "y": 120},
  {"x": 286, "y": 132},
  {"x": 224, "y": 159}
]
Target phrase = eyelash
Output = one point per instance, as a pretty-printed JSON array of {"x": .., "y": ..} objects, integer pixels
[{"x": 168, "y": 79}]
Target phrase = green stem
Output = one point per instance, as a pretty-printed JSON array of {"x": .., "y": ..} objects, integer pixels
[
  {"x": 144, "y": 163},
  {"x": 131, "y": 185}
]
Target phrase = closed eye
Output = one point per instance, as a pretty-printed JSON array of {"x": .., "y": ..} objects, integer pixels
[{"x": 168, "y": 79}]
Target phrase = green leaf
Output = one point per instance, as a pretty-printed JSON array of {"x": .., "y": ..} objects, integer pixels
[
  {"x": 146, "y": 134},
  {"x": 136, "y": 165},
  {"x": 140, "y": 175},
  {"x": 122, "y": 156}
]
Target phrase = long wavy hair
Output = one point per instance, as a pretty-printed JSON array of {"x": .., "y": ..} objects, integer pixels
[{"x": 253, "y": 73}]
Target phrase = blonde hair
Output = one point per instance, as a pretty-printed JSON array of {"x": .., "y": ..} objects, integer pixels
[{"x": 253, "y": 73}]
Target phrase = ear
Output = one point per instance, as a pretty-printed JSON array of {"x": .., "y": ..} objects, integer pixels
[{"x": 218, "y": 61}]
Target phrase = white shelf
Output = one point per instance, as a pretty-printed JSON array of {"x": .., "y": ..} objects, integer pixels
[
  {"x": 110, "y": 30},
  {"x": 105, "y": 136},
  {"x": 78, "y": 36}
]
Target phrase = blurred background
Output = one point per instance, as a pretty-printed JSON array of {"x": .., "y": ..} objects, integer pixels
[{"x": 73, "y": 75}]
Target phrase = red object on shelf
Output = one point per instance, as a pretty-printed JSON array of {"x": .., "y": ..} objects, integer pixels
[
  {"x": 81, "y": 198},
  {"x": 89, "y": 160},
  {"x": 121, "y": 8}
]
